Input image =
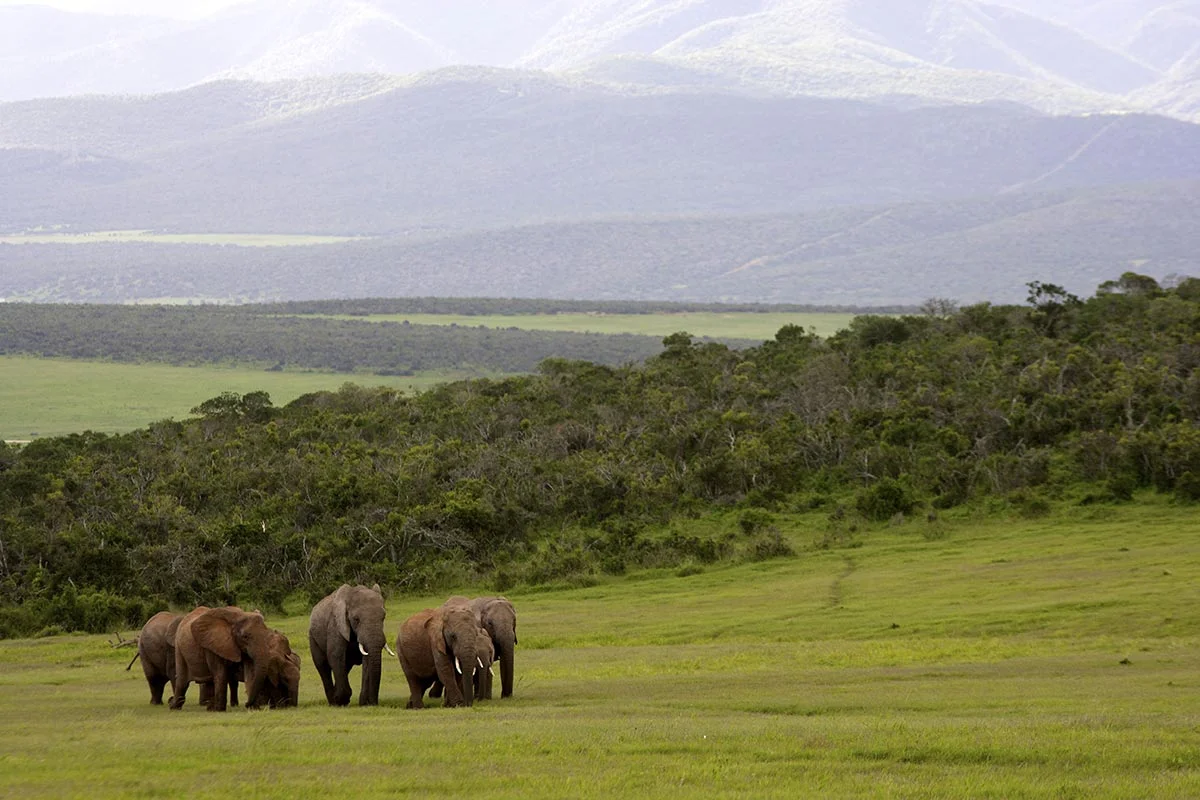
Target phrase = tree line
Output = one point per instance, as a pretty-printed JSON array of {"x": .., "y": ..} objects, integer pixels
[
  {"x": 581, "y": 468},
  {"x": 248, "y": 335}
]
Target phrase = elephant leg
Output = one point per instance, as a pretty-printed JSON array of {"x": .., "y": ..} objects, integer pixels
[
  {"x": 219, "y": 698},
  {"x": 157, "y": 684},
  {"x": 449, "y": 678},
  {"x": 219, "y": 671},
  {"x": 416, "y": 690},
  {"x": 180, "y": 694},
  {"x": 233, "y": 695},
  {"x": 435, "y": 691},
  {"x": 340, "y": 670},
  {"x": 206, "y": 694},
  {"x": 322, "y": 665}
]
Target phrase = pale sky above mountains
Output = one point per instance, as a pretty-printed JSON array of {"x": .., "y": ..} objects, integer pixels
[{"x": 183, "y": 9}]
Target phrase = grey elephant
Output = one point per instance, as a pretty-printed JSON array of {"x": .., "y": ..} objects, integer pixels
[
  {"x": 212, "y": 643},
  {"x": 345, "y": 630},
  {"x": 156, "y": 649},
  {"x": 440, "y": 644},
  {"x": 486, "y": 654},
  {"x": 497, "y": 616}
]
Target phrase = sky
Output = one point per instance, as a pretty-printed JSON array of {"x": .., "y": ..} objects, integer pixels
[{"x": 186, "y": 9}]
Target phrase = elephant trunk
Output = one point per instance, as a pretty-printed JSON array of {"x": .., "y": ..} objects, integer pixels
[
  {"x": 467, "y": 679},
  {"x": 255, "y": 675},
  {"x": 372, "y": 669},
  {"x": 504, "y": 654}
]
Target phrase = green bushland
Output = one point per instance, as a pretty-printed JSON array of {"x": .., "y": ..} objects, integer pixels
[
  {"x": 980, "y": 654},
  {"x": 584, "y": 470},
  {"x": 717, "y": 325},
  {"x": 42, "y": 397}
]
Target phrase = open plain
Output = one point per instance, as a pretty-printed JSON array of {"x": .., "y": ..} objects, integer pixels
[{"x": 969, "y": 656}]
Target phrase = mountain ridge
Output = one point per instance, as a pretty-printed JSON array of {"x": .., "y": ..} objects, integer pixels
[{"x": 943, "y": 50}]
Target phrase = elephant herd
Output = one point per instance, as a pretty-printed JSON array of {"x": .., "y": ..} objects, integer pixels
[{"x": 447, "y": 651}]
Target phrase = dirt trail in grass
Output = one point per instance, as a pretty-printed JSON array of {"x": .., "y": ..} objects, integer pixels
[{"x": 835, "y": 588}]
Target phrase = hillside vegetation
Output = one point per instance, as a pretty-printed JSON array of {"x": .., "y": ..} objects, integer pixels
[{"x": 584, "y": 469}]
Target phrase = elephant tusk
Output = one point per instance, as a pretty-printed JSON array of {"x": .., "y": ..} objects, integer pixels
[
  {"x": 479, "y": 661},
  {"x": 492, "y": 671},
  {"x": 391, "y": 652},
  {"x": 457, "y": 666},
  {"x": 362, "y": 649}
]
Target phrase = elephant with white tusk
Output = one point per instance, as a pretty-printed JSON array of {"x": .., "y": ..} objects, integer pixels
[
  {"x": 440, "y": 645},
  {"x": 345, "y": 630},
  {"x": 497, "y": 616}
]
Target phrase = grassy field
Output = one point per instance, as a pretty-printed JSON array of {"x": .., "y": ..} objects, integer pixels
[
  {"x": 52, "y": 397},
  {"x": 151, "y": 237},
  {"x": 718, "y": 325},
  {"x": 1002, "y": 658}
]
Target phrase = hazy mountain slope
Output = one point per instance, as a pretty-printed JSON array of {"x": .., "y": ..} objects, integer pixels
[
  {"x": 1167, "y": 35},
  {"x": 507, "y": 148},
  {"x": 946, "y": 49},
  {"x": 923, "y": 50},
  {"x": 128, "y": 125},
  {"x": 46, "y": 52},
  {"x": 970, "y": 250}
]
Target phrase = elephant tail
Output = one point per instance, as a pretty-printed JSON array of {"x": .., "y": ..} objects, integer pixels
[{"x": 135, "y": 658}]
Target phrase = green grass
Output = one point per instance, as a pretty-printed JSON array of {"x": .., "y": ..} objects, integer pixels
[
  {"x": 718, "y": 325},
  {"x": 236, "y": 239},
  {"x": 53, "y": 397},
  {"x": 977, "y": 658}
]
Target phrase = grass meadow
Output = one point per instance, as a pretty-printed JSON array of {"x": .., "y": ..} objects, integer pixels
[
  {"x": 53, "y": 397},
  {"x": 972, "y": 656},
  {"x": 737, "y": 325}
]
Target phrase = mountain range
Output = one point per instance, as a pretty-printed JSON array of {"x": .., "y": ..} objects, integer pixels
[
  {"x": 1055, "y": 55},
  {"x": 804, "y": 151}
]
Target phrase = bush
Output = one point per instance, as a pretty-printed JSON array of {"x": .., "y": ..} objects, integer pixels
[
  {"x": 884, "y": 499},
  {"x": 754, "y": 520},
  {"x": 771, "y": 545},
  {"x": 1187, "y": 488}
]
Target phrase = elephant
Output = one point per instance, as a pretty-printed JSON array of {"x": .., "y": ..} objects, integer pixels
[
  {"x": 211, "y": 644},
  {"x": 497, "y": 616},
  {"x": 486, "y": 653},
  {"x": 156, "y": 648},
  {"x": 439, "y": 644},
  {"x": 344, "y": 630},
  {"x": 282, "y": 686}
]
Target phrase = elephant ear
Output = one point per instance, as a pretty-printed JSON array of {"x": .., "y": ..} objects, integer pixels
[
  {"x": 340, "y": 612},
  {"x": 213, "y": 632},
  {"x": 437, "y": 638}
]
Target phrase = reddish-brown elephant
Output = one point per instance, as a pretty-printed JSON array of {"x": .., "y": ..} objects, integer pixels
[
  {"x": 211, "y": 644},
  {"x": 440, "y": 644}
]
